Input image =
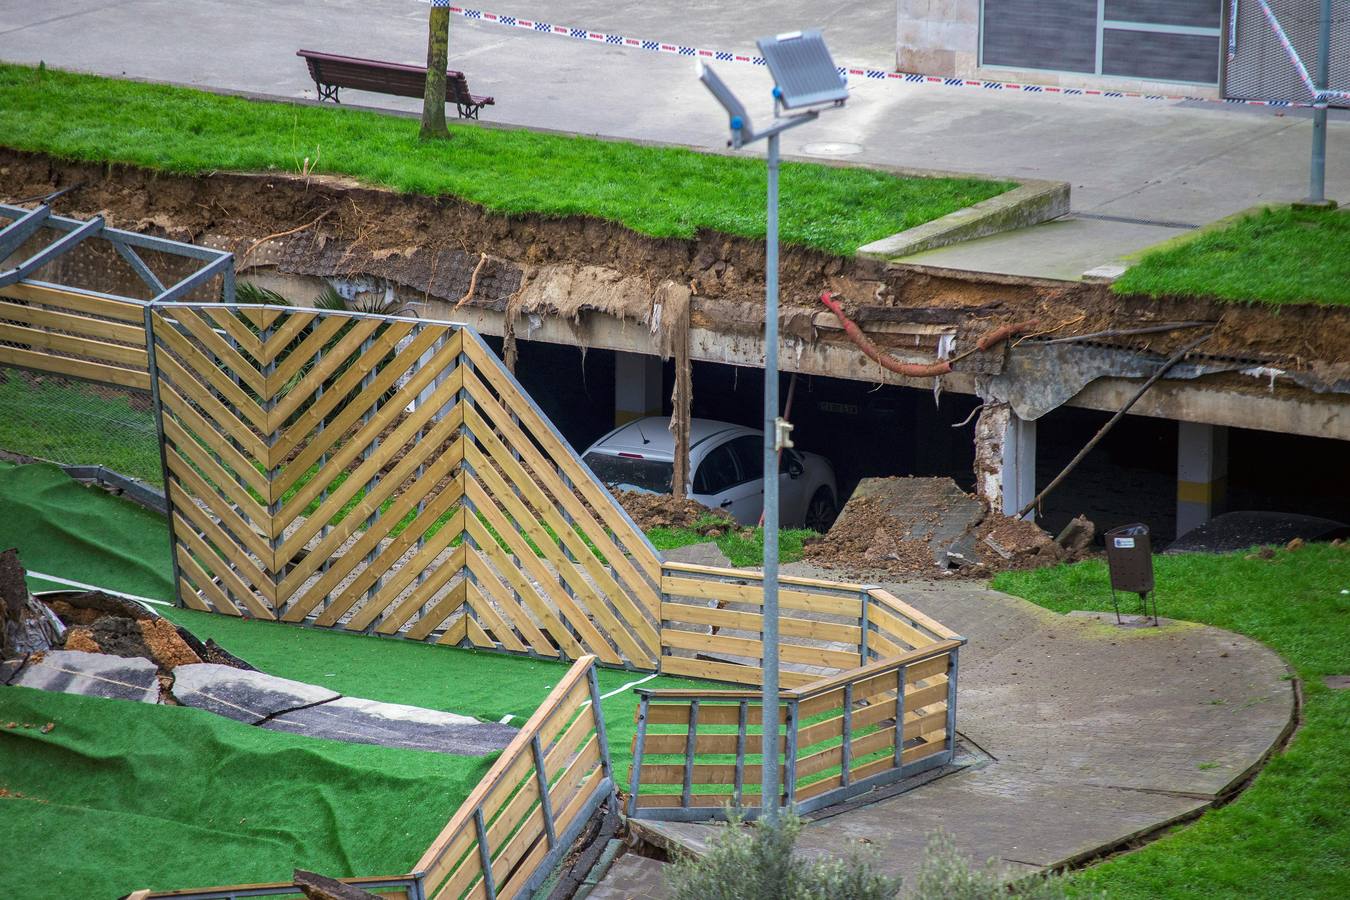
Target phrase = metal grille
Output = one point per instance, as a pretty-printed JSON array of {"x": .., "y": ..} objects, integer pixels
[
  {"x": 78, "y": 423},
  {"x": 1260, "y": 69}
]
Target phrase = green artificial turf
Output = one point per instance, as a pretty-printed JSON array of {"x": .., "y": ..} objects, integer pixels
[
  {"x": 659, "y": 191},
  {"x": 66, "y": 529},
  {"x": 743, "y": 546},
  {"x": 1288, "y": 835},
  {"x": 120, "y": 796},
  {"x": 1276, "y": 256}
]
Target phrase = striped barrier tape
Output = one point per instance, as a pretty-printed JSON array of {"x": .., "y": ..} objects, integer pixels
[
  {"x": 1320, "y": 97},
  {"x": 677, "y": 49}
]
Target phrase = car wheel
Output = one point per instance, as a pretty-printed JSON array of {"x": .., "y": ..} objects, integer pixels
[{"x": 820, "y": 512}]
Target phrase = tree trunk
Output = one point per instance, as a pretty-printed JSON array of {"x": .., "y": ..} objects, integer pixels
[{"x": 438, "y": 59}]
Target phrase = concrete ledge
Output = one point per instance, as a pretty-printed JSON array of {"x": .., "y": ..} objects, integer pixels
[{"x": 1031, "y": 203}]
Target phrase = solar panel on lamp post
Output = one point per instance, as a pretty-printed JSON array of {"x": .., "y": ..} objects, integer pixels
[{"x": 805, "y": 80}]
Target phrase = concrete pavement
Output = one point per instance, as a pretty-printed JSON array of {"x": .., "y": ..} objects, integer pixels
[
  {"x": 1135, "y": 160},
  {"x": 1097, "y": 736}
]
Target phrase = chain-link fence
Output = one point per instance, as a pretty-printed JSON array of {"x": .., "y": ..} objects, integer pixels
[{"x": 78, "y": 423}]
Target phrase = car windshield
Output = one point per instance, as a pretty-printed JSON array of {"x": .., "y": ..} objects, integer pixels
[{"x": 625, "y": 472}]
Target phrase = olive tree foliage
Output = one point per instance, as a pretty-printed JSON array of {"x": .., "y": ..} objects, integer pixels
[
  {"x": 438, "y": 59},
  {"x": 757, "y": 863}
]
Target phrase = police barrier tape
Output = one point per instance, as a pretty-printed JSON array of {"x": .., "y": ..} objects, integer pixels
[{"x": 619, "y": 40}]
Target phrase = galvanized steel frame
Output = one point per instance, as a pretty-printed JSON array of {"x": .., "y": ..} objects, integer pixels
[{"x": 24, "y": 223}]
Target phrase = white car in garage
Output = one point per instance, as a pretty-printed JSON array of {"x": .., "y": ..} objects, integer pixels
[{"x": 727, "y": 465}]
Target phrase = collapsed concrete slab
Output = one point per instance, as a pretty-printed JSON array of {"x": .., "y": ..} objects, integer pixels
[
  {"x": 359, "y": 721},
  {"x": 91, "y": 675},
  {"x": 243, "y": 695}
]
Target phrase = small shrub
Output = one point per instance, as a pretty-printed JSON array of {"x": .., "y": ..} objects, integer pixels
[
  {"x": 758, "y": 864},
  {"x": 949, "y": 875}
]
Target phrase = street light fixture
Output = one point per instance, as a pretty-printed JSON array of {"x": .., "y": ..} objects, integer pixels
[{"x": 806, "y": 80}]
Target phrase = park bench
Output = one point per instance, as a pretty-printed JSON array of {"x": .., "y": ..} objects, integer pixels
[{"x": 332, "y": 72}]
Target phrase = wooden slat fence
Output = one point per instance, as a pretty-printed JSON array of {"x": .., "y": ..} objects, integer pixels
[
  {"x": 869, "y": 694},
  {"x": 531, "y": 806},
  {"x": 697, "y": 751},
  {"x": 387, "y": 475},
  {"x": 73, "y": 334}
]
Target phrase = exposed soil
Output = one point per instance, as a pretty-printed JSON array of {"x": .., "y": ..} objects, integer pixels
[
  {"x": 435, "y": 245},
  {"x": 664, "y": 511},
  {"x": 870, "y": 538}
]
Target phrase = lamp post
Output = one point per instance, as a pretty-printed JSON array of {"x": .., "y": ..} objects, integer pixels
[
  {"x": 805, "y": 80},
  {"x": 1317, "y": 171}
]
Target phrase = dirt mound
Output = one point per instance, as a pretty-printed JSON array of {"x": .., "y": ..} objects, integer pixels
[
  {"x": 925, "y": 527},
  {"x": 664, "y": 511}
]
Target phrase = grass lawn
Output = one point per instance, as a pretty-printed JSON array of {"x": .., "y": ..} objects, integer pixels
[
  {"x": 77, "y": 424},
  {"x": 120, "y": 796},
  {"x": 1288, "y": 835},
  {"x": 177, "y": 780},
  {"x": 744, "y": 550},
  {"x": 659, "y": 191},
  {"x": 1276, "y": 256}
]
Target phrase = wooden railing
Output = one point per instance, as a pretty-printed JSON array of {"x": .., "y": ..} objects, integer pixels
[
  {"x": 870, "y": 695},
  {"x": 529, "y": 809},
  {"x": 842, "y": 735}
]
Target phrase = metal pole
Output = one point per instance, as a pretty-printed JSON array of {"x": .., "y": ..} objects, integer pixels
[
  {"x": 1317, "y": 171},
  {"x": 769, "y": 762}
]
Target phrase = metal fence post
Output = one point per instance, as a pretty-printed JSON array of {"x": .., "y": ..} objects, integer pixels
[
  {"x": 153, "y": 368},
  {"x": 484, "y": 855},
  {"x": 690, "y": 747},
  {"x": 638, "y": 742},
  {"x": 900, "y": 717},
  {"x": 742, "y": 719},
  {"x": 790, "y": 757},
  {"x": 541, "y": 778},
  {"x": 602, "y": 739},
  {"x": 863, "y": 624},
  {"x": 846, "y": 748},
  {"x": 953, "y": 667}
]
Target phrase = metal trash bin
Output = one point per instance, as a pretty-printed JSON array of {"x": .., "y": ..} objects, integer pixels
[{"x": 1129, "y": 557}]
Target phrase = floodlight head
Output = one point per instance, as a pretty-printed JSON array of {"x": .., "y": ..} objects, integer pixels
[
  {"x": 804, "y": 74},
  {"x": 741, "y": 131}
]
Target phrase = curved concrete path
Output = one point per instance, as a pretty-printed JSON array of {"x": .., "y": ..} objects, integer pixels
[{"x": 1095, "y": 735}]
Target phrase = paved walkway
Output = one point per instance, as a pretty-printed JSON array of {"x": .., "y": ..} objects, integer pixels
[
  {"x": 1096, "y": 735},
  {"x": 1187, "y": 163}
]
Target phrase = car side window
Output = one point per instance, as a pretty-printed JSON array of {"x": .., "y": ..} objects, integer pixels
[
  {"x": 749, "y": 451},
  {"x": 717, "y": 472}
]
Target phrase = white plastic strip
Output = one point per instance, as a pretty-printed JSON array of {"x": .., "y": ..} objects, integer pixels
[{"x": 94, "y": 587}]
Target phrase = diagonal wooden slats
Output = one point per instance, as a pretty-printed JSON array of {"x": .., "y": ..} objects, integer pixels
[
  {"x": 544, "y": 507},
  {"x": 548, "y": 592},
  {"x": 351, "y": 414},
  {"x": 318, "y": 408},
  {"x": 544, "y": 476},
  {"x": 503, "y": 601},
  {"x": 192, "y": 322},
  {"x": 388, "y": 476},
  {"x": 302, "y": 394},
  {"x": 282, "y": 335},
  {"x": 374, "y": 497},
  {"x": 228, "y": 320},
  {"x": 492, "y": 371},
  {"x": 326, "y": 330}
]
